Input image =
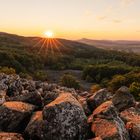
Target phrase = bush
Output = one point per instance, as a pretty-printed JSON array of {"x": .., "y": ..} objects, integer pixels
[
  {"x": 117, "y": 82},
  {"x": 25, "y": 75},
  {"x": 69, "y": 81},
  {"x": 40, "y": 75},
  {"x": 7, "y": 70},
  {"x": 95, "y": 88},
  {"x": 135, "y": 90}
]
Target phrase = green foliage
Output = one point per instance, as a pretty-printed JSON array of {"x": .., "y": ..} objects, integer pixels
[
  {"x": 135, "y": 90},
  {"x": 7, "y": 70},
  {"x": 95, "y": 88},
  {"x": 25, "y": 75},
  {"x": 99, "y": 72},
  {"x": 69, "y": 81},
  {"x": 40, "y": 75},
  {"x": 117, "y": 82}
]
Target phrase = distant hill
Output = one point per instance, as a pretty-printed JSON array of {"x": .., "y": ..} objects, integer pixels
[
  {"x": 119, "y": 45},
  {"x": 29, "y": 54}
]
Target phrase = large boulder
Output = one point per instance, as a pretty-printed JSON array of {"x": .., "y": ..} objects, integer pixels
[
  {"x": 131, "y": 117},
  {"x": 36, "y": 128},
  {"x": 98, "y": 98},
  {"x": 28, "y": 97},
  {"x": 14, "y": 116},
  {"x": 49, "y": 97},
  {"x": 66, "y": 119},
  {"x": 123, "y": 99},
  {"x": 109, "y": 130},
  {"x": 107, "y": 124},
  {"x": 10, "y": 136}
]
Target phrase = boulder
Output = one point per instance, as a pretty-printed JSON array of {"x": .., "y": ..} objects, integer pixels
[
  {"x": 109, "y": 130},
  {"x": 10, "y": 136},
  {"x": 98, "y": 98},
  {"x": 36, "y": 128},
  {"x": 14, "y": 116},
  {"x": 123, "y": 99},
  {"x": 105, "y": 111},
  {"x": 49, "y": 97},
  {"x": 28, "y": 97},
  {"x": 84, "y": 104},
  {"x": 2, "y": 96},
  {"x": 66, "y": 119},
  {"x": 107, "y": 124},
  {"x": 131, "y": 117}
]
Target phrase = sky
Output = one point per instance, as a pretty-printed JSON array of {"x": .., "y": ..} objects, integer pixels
[{"x": 72, "y": 19}]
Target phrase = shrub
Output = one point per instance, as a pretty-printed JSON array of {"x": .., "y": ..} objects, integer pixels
[
  {"x": 95, "y": 88},
  {"x": 40, "y": 75},
  {"x": 69, "y": 81},
  {"x": 135, "y": 90},
  {"x": 25, "y": 75},
  {"x": 7, "y": 70},
  {"x": 117, "y": 82}
]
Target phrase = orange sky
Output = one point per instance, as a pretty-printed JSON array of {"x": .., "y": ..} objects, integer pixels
[{"x": 72, "y": 19}]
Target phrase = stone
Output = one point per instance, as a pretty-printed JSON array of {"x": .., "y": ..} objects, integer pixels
[
  {"x": 98, "y": 98},
  {"x": 66, "y": 119},
  {"x": 49, "y": 97},
  {"x": 14, "y": 116},
  {"x": 28, "y": 97},
  {"x": 123, "y": 99},
  {"x": 10, "y": 136},
  {"x": 131, "y": 117},
  {"x": 36, "y": 128},
  {"x": 109, "y": 130}
]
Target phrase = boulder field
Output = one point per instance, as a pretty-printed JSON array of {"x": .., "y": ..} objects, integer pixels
[{"x": 35, "y": 110}]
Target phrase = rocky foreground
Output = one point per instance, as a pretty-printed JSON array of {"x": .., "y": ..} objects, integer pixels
[{"x": 34, "y": 110}]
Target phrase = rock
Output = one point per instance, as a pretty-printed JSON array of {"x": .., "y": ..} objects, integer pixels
[
  {"x": 66, "y": 119},
  {"x": 14, "y": 116},
  {"x": 107, "y": 123},
  {"x": 98, "y": 98},
  {"x": 131, "y": 117},
  {"x": 49, "y": 97},
  {"x": 109, "y": 130},
  {"x": 105, "y": 111},
  {"x": 36, "y": 128},
  {"x": 84, "y": 104},
  {"x": 123, "y": 99},
  {"x": 134, "y": 130},
  {"x": 2, "y": 96},
  {"x": 10, "y": 136},
  {"x": 28, "y": 97}
]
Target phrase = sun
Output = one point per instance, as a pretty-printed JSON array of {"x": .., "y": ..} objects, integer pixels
[{"x": 49, "y": 34}]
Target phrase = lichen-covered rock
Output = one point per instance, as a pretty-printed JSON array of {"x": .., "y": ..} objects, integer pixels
[
  {"x": 109, "y": 130},
  {"x": 106, "y": 111},
  {"x": 66, "y": 119},
  {"x": 36, "y": 128},
  {"x": 14, "y": 116},
  {"x": 28, "y": 97},
  {"x": 84, "y": 104},
  {"x": 10, "y": 136},
  {"x": 98, "y": 98},
  {"x": 2, "y": 96},
  {"x": 131, "y": 117},
  {"x": 49, "y": 97},
  {"x": 107, "y": 123},
  {"x": 123, "y": 99}
]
